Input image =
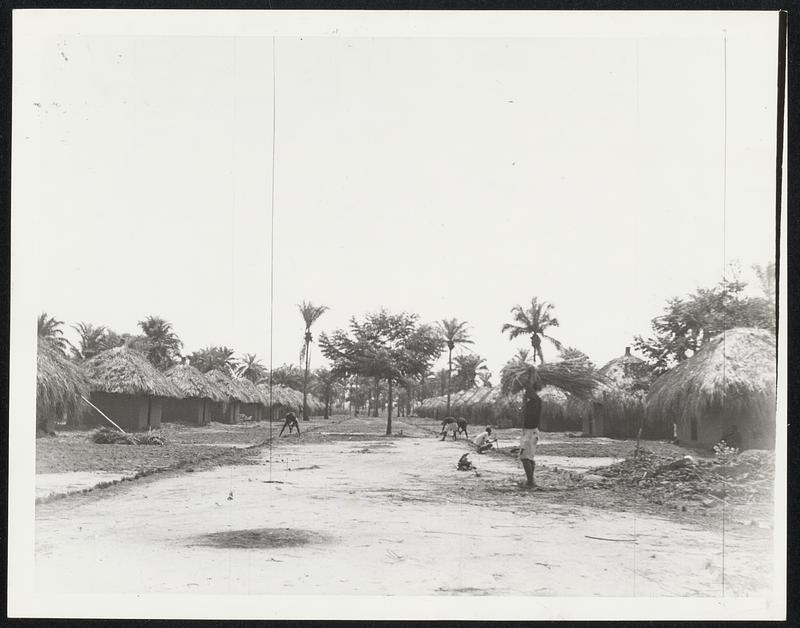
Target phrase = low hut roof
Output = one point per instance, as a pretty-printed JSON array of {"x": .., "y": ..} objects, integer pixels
[
  {"x": 735, "y": 370},
  {"x": 251, "y": 390},
  {"x": 231, "y": 388},
  {"x": 126, "y": 371},
  {"x": 59, "y": 382},
  {"x": 279, "y": 395},
  {"x": 192, "y": 383}
]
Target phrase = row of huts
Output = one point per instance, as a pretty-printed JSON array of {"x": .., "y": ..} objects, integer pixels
[
  {"x": 123, "y": 386},
  {"x": 726, "y": 390}
]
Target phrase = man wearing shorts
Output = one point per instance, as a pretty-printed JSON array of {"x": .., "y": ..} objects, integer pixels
[{"x": 531, "y": 415}]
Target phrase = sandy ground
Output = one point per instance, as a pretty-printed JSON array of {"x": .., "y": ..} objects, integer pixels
[{"x": 352, "y": 512}]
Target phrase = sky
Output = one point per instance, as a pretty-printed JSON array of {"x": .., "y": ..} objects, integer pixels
[{"x": 445, "y": 176}]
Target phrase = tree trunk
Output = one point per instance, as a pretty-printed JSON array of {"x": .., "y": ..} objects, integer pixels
[
  {"x": 327, "y": 407},
  {"x": 377, "y": 394},
  {"x": 305, "y": 384},
  {"x": 389, "y": 411},
  {"x": 449, "y": 369}
]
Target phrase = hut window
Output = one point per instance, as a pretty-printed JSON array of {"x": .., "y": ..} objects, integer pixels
[{"x": 694, "y": 429}]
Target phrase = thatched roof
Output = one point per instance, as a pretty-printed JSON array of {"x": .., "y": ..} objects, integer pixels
[
  {"x": 192, "y": 383},
  {"x": 126, "y": 371},
  {"x": 624, "y": 371},
  {"x": 231, "y": 388},
  {"x": 735, "y": 372},
  {"x": 251, "y": 390},
  {"x": 59, "y": 382}
]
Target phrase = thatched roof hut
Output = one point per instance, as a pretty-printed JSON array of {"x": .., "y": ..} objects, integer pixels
[
  {"x": 231, "y": 388},
  {"x": 59, "y": 387},
  {"x": 198, "y": 393},
  {"x": 128, "y": 389},
  {"x": 127, "y": 372},
  {"x": 730, "y": 383},
  {"x": 624, "y": 371},
  {"x": 190, "y": 382}
]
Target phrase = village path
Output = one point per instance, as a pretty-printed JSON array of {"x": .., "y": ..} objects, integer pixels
[{"x": 349, "y": 511}]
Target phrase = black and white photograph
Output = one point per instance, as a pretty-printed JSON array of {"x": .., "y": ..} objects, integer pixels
[{"x": 397, "y": 315}]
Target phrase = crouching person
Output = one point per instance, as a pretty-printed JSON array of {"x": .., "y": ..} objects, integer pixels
[
  {"x": 290, "y": 421},
  {"x": 484, "y": 441}
]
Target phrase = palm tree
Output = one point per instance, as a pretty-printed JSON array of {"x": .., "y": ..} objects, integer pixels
[
  {"x": 49, "y": 329},
  {"x": 470, "y": 369},
  {"x": 533, "y": 322},
  {"x": 522, "y": 355},
  {"x": 213, "y": 358},
  {"x": 455, "y": 333},
  {"x": 310, "y": 314},
  {"x": 91, "y": 340},
  {"x": 250, "y": 367},
  {"x": 165, "y": 344}
]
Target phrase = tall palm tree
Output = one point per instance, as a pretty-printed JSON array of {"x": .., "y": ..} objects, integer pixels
[
  {"x": 165, "y": 344},
  {"x": 91, "y": 340},
  {"x": 533, "y": 322},
  {"x": 310, "y": 314},
  {"x": 213, "y": 358},
  {"x": 49, "y": 329},
  {"x": 454, "y": 333},
  {"x": 250, "y": 367}
]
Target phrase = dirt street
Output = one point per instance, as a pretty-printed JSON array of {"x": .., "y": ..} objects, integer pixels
[{"x": 349, "y": 511}]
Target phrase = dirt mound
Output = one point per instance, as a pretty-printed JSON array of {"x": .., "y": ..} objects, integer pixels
[
  {"x": 735, "y": 479},
  {"x": 263, "y": 538}
]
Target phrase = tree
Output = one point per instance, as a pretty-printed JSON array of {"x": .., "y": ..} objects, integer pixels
[
  {"x": 218, "y": 358},
  {"x": 165, "y": 346},
  {"x": 135, "y": 342},
  {"x": 326, "y": 385},
  {"x": 454, "y": 332},
  {"x": 688, "y": 323},
  {"x": 288, "y": 375},
  {"x": 383, "y": 346},
  {"x": 533, "y": 322},
  {"x": 310, "y": 314},
  {"x": 250, "y": 367},
  {"x": 49, "y": 330},
  {"x": 91, "y": 340},
  {"x": 470, "y": 367}
]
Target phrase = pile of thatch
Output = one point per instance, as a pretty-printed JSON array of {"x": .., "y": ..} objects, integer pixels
[
  {"x": 572, "y": 376},
  {"x": 59, "y": 385},
  {"x": 191, "y": 383},
  {"x": 106, "y": 436},
  {"x": 128, "y": 372},
  {"x": 734, "y": 373}
]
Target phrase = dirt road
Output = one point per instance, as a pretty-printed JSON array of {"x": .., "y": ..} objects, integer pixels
[{"x": 348, "y": 511}]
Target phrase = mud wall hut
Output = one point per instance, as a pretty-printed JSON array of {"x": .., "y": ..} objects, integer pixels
[
  {"x": 60, "y": 384},
  {"x": 727, "y": 386},
  {"x": 235, "y": 394},
  {"x": 128, "y": 389},
  {"x": 198, "y": 393}
]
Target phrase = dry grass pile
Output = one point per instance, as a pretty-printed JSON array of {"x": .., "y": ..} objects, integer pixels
[
  {"x": 738, "y": 479},
  {"x": 571, "y": 376},
  {"x": 106, "y": 436}
]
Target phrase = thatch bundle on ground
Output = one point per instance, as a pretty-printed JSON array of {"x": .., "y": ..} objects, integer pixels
[
  {"x": 128, "y": 389},
  {"x": 59, "y": 387},
  {"x": 729, "y": 384},
  {"x": 198, "y": 394}
]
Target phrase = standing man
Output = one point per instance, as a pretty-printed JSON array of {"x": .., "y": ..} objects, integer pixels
[{"x": 531, "y": 415}]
